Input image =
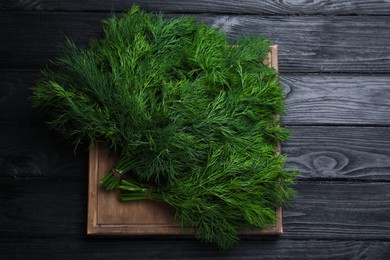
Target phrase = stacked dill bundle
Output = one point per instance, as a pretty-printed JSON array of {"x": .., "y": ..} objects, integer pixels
[{"x": 188, "y": 116}]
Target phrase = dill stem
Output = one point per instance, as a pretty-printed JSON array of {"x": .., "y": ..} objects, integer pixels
[{"x": 132, "y": 190}]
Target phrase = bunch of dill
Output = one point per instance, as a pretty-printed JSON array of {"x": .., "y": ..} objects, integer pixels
[{"x": 185, "y": 112}]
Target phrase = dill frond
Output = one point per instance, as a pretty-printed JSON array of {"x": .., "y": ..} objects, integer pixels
[{"x": 183, "y": 111}]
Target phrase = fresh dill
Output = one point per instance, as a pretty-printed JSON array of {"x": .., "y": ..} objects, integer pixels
[{"x": 185, "y": 112}]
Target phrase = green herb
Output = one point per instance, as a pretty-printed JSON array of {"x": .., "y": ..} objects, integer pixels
[
  {"x": 218, "y": 200},
  {"x": 185, "y": 112}
]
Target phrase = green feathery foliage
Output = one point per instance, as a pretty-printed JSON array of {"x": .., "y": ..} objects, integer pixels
[{"x": 185, "y": 112}]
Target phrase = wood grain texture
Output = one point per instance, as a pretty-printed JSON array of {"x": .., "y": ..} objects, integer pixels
[
  {"x": 339, "y": 210},
  {"x": 15, "y": 89},
  {"x": 340, "y": 152},
  {"x": 42, "y": 207},
  {"x": 52, "y": 208},
  {"x": 306, "y": 44},
  {"x": 318, "y": 152},
  {"x": 312, "y": 99},
  {"x": 31, "y": 151},
  {"x": 125, "y": 248},
  {"x": 337, "y": 99},
  {"x": 329, "y": 7},
  {"x": 342, "y": 207}
]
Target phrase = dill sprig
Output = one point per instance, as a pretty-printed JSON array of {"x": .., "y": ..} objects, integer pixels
[
  {"x": 183, "y": 111},
  {"x": 229, "y": 193}
]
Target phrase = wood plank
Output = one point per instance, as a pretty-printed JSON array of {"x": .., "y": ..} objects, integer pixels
[
  {"x": 340, "y": 152},
  {"x": 312, "y": 99},
  {"x": 14, "y": 93},
  {"x": 37, "y": 38},
  {"x": 42, "y": 207},
  {"x": 31, "y": 151},
  {"x": 337, "y": 99},
  {"x": 109, "y": 248},
  {"x": 318, "y": 152},
  {"x": 329, "y": 7},
  {"x": 331, "y": 210},
  {"x": 328, "y": 46},
  {"x": 339, "y": 210}
]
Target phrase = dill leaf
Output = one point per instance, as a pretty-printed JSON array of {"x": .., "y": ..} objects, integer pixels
[{"x": 183, "y": 111}]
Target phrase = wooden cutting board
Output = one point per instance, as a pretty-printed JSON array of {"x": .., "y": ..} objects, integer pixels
[{"x": 107, "y": 215}]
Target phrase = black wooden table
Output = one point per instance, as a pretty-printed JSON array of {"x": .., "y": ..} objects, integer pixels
[{"x": 335, "y": 67}]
